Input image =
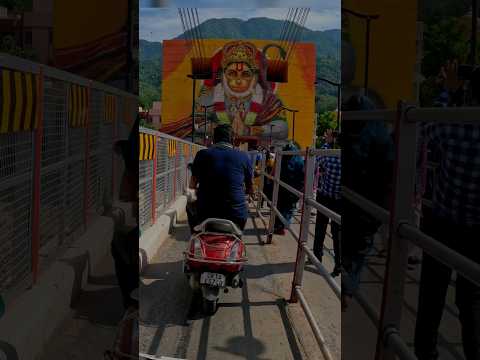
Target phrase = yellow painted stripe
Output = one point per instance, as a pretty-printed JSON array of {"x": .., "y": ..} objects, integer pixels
[
  {"x": 109, "y": 118},
  {"x": 81, "y": 112},
  {"x": 141, "y": 146},
  {"x": 36, "y": 104},
  {"x": 86, "y": 108},
  {"x": 75, "y": 106},
  {"x": 152, "y": 149},
  {"x": 19, "y": 100},
  {"x": 147, "y": 147},
  {"x": 6, "y": 101},
  {"x": 29, "y": 105},
  {"x": 79, "y": 106}
]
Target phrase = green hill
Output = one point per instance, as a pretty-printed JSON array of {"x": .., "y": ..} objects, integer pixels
[{"x": 327, "y": 45}]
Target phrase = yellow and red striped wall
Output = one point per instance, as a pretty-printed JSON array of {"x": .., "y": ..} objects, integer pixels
[
  {"x": 18, "y": 101},
  {"x": 77, "y": 106},
  {"x": 110, "y": 108},
  {"x": 147, "y": 146}
]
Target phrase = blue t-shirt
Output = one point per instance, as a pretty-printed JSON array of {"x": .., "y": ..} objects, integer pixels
[{"x": 222, "y": 173}]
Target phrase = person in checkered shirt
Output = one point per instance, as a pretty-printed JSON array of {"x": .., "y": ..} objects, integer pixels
[
  {"x": 454, "y": 221},
  {"x": 328, "y": 195}
]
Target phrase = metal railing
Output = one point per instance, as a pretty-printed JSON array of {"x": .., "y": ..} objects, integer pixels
[
  {"x": 308, "y": 203},
  {"x": 401, "y": 220},
  {"x": 164, "y": 174},
  {"x": 54, "y": 171}
]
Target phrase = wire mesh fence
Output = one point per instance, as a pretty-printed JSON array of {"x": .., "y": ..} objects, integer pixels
[
  {"x": 169, "y": 161},
  {"x": 16, "y": 166},
  {"x": 56, "y": 164}
]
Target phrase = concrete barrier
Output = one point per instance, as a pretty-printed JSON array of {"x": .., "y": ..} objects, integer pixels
[
  {"x": 31, "y": 320},
  {"x": 152, "y": 238}
]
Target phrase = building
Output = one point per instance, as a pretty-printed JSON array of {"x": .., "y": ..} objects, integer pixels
[
  {"x": 31, "y": 30},
  {"x": 155, "y": 114}
]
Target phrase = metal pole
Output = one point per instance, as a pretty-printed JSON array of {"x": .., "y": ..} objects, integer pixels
[
  {"x": 400, "y": 212},
  {"x": 154, "y": 181},
  {"x": 367, "y": 54},
  {"x": 205, "y": 133},
  {"x": 262, "y": 181},
  {"x": 276, "y": 186},
  {"x": 37, "y": 170},
  {"x": 304, "y": 223},
  {"x": 86, "y": 193},
  {"x": 293, "y": 130},
  {"x": 473, "y": 43},
  {"x": 193, "y": 106},
  {"x": 339, "y": 105}
]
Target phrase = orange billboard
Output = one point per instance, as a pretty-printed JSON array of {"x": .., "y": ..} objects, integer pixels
[
  {"x": 238, "y": 91},
  {"x": 90, "y": 38},
  {"x": 392, "y": 48}
]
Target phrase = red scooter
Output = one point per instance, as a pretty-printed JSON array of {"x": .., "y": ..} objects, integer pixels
[{"x": 214, "y": 260}]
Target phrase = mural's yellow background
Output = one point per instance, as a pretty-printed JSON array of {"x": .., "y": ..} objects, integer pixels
[
  {"x": 392, "y": 47},
  {"x": 80, "y": 22},
  {"x": 298, "y": 93}
]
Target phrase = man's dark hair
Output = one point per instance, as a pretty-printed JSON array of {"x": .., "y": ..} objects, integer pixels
[{"x": 222, "y": 133}]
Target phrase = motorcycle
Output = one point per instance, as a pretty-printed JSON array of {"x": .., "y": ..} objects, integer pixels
[{"x": 214, "y": 260}]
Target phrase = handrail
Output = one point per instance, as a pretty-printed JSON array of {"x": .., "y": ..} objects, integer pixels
[
  {"x": 166, "y": 136},
  {"x": 313, "y": 323},
  {"x": 303, "y": 250},
  {"x": 458, "y": 115},
  {"x": 370, "y": 207},
  {"x": 447, "y": 256},
  {"x": 391, "y": 313},
  {"x": 325, "y": 211},
  {"x": 20, "y": 64},
  {"x": 328, "y": 278},
  {"x": 379, "y": 115}
]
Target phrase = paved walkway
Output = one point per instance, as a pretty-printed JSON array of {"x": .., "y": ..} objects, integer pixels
[
  {"x": 255, "y": 322},
  {"x": 92, "y": 326}
]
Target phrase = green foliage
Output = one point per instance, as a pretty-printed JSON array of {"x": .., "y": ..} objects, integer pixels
[
  {"x": 17, "y": 5},
  {"x": 9, "y": 46},
  {"x": 326, "y": 120},
  {"x": 150, "y": 83},
  {"x": 148, "y": 94},
  {"x": 327, "y": 45},
  {"x": 145, "y": 124},
  {"x": 433, "y": 10},
  {"x": 443, "y": 40},
  {"x": 326, "y": 103}
]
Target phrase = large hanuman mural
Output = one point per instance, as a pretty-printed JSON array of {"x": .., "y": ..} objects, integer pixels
[{"x": 238, "y": 91}]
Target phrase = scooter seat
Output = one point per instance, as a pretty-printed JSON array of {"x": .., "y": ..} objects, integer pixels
[{"x": 221, "y": 228}]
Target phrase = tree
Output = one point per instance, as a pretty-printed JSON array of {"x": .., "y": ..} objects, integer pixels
[
  {"x": 444, "y": 40},
  {"x": 326, "y": 120}
]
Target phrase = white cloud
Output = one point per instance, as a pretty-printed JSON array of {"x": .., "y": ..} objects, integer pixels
[
  {"x": 164, "y": 23},
  {"x": 314, "y": 4}
]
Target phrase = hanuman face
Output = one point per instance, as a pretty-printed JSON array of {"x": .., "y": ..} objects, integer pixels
[{"x": 239, "y": 77}]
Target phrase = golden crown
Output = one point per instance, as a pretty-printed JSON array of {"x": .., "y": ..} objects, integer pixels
[{"x": 239, "y": 51}]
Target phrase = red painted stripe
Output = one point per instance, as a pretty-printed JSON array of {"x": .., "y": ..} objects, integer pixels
[{"x": 36, "y": 178}]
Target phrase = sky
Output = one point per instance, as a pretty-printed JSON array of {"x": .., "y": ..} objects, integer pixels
[{"x": 159, "y": 23}]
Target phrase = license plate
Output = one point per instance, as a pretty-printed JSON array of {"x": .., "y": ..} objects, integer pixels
[{"x": 212, "y": 279}]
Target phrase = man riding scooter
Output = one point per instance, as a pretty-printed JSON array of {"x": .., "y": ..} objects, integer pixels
[
  {"x": 222, "y": 176},
  {"x": 215, "y": 256}
]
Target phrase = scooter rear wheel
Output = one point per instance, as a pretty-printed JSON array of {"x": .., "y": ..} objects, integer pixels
[{"x": 210, "y": 306}]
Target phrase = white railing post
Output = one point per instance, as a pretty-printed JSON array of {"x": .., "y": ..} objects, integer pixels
[
  {"x": 401, "y": 211},
  {"x": 276, "y": 186},
  {"x": 261, "y": 183},
  {"x": 304, "y": 223}
]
